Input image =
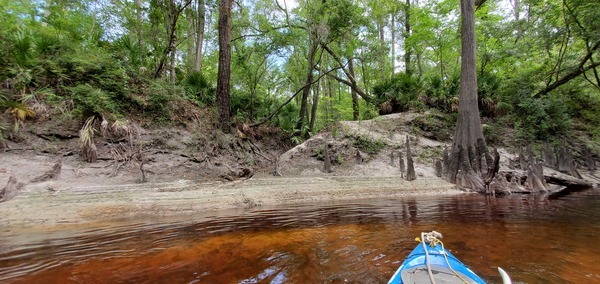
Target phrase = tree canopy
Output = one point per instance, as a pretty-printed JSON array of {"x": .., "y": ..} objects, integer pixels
[{"x": 299, "y": 65}]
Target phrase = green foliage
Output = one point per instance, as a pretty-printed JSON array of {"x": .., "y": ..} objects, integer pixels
[
  {"x": 435, "y": 126},
  {"x": 369, "y": 111},
  {"x": 90, "y": 101},
  {"x": 368, "y": 145},
  {"x": 540, "y": 119},
  {"x": 493, "y": 134},
  {"x": 442, "y": 93},
  {"x": 97, "y": 60},
  {"x": 427, "y": 154},
  {"x": 286, "y": 119},
  {"x": 402, "y": 92},
  {"x": 491, "y": 103},
  {"x": 130, "y": 52},
  {"x": 159, "y": 105},
  {"x": 198, "y": 89}
]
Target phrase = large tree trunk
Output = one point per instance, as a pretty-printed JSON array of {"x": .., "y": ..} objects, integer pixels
[
  {"x": 224, "y": 71},
  {"x": 200, "y": 35},
  {"x": 468, "y": 148}
]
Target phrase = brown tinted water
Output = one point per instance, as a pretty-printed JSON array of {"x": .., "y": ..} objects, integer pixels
[{"x": 535, "y": 239}]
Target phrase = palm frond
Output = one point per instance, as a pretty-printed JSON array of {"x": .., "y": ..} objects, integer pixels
[
  {"x": 86, "y": 140},
  {"x": 19, "y": 112}
]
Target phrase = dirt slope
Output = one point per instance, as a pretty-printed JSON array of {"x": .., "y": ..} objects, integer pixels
[{"x": 191, "y": 172}]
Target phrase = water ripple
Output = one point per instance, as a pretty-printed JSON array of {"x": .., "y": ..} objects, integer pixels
[{"x": 366, "y": 239}]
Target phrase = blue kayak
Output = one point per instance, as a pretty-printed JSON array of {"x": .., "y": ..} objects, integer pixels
[{"x": 443, "y": 267}]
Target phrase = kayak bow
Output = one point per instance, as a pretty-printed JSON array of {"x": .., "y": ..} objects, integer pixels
[{"x": 429, "y": 262}]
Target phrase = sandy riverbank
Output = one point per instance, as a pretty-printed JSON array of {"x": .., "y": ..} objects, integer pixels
[{"x": 47, "y": 206}]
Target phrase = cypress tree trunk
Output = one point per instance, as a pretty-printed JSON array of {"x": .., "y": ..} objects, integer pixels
[
  {"x": 468, "y": 148},
  {"x": 224, "y": 71}
]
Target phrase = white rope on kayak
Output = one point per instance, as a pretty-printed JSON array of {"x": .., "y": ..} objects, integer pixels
[
  {"x": 424, "y": 238},
  {"x": 433, "y": 239}
]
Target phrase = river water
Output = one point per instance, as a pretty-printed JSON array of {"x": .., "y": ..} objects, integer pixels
[{"x": 535, "y": 239}]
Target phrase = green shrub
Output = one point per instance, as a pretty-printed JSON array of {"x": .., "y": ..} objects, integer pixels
[
  {"x": 198, "y": 89},
  {"x": 159, "y": 105},
  {"x": 435, "y": 126},
  {"x": 442, "y": 93},
  {"x": 540, "y": 119},
  {"x": 90, "y": 101},
  {"x": 368, "y": 145},
  {"x": 399, "y": 93}
]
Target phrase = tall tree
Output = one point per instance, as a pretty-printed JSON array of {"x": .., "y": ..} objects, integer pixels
[
  {"x": 355, "y": 106},
  {"x": 306, "y": 92},
  {"x": 173, "y": 10},
  {"x": 200, "y": 34},
  {"x": 224, "y": 71},
  {"x": 468, "y": 148},
  {"x": 138, "y": 16},
  {"x": 407, "y": 29}
]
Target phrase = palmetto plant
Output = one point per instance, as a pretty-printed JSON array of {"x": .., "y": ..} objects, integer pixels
[
  {"x": 119, "y": 130},
  {"x": 18, "y": 112},
  {"x": 86, "y": 140}
]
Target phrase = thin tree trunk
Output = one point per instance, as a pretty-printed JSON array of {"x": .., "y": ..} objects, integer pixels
[
  {"x": 138, "y": 15},
  {"x": 382, "y": 60},
  {"x": 174, "y": 11},
  {"x": 393, "y": 32},
  {"x": 276, "y": 111},
  {"x": 200, "y": 35},
  {"x": 306, "y": 92},
  {"x": 517, "y": 11},
  {"x": 224, "y": 71},
  {"x": 351, "y": 82},
  {"x": 407, "y": 29},
  {"x": 355, "y": 106},
  {"x": 315, "y": 105},
  {"x": 191, "y": 34},
  {"x": 580, "y": 69},
  {"x": 172, "y": 63}
]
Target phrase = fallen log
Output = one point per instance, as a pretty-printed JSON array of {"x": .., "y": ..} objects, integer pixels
[{"x": 567, "y": 181}]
